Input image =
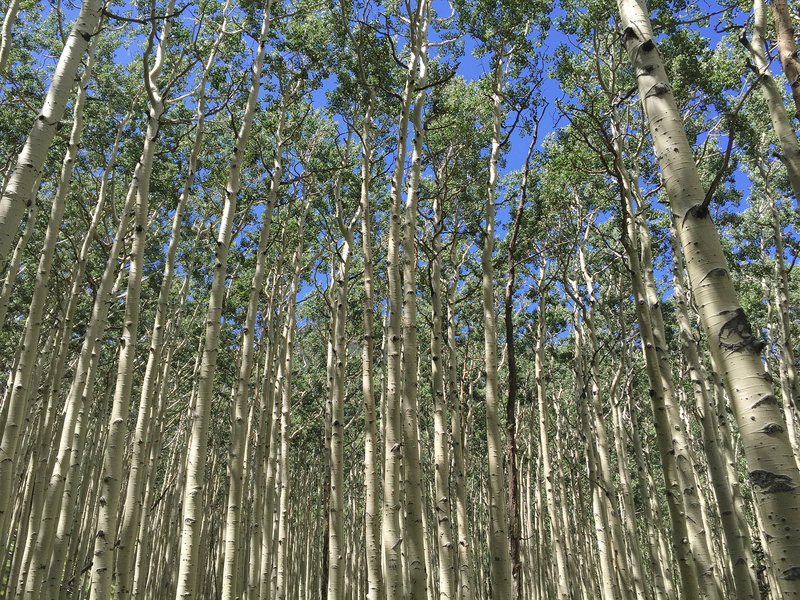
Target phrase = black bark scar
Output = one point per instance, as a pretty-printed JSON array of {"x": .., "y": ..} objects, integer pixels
[
  {"x": 736, "y": 334},
  {"x": 771, "y": 483}
]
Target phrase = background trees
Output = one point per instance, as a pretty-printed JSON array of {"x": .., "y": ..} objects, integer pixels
[{"x": 252, "y": 279}]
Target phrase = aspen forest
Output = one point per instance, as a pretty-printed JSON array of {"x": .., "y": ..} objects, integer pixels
[{"x": 399, "y": 299}]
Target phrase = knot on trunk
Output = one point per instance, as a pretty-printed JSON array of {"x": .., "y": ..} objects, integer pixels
[
  {"x": 771, "y": 483},
  {"x": 736, "y": 334}
]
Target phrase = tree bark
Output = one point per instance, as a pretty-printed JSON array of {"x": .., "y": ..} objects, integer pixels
[{"x": 772, "y": 469}]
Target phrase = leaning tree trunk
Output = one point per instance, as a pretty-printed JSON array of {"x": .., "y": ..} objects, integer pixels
[
  {"x": 787, "y": 136},
  {"x": 736, "y": 350},
  {"x": 106, "y": 538},
  {"x": 787, "y": 49},
  {"x": 20, "y": 189}
]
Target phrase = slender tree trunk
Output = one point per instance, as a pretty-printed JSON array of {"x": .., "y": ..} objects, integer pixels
[
  {"x": 285, "y": 383},
  {"x": 511, "y": 404},
  {"x": 193, "y": 499},
  {"x": 787, "y": 49},
  {"x": 787, "y": 136},
  {"x": 20, "y": 190},
  {"x": 20, "y": 390},
  {"x": 414, "y": 529},
  {"x": 5, "y": 42},
  {"x": 443, "y": 508},
  {"x": 500, "y": 564},
  {"x": 105, "y": 538},
  {"x": 772, "y": 468},
  {"x": 392, "y": 534},
  {"x": 371, "y": 450},
  {"x": 236, "y": 464}
]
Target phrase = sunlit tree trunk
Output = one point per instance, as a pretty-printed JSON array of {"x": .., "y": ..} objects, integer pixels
[
  {"x": 736, "y": 350},
  {"x": 500, "y": 564},
  {"x": 787, "y": 48},
  {"x": 787, "y": 136},
  {"x": 20, "y": 190},
  {"x": 105, "y": 537},
  {"x": 192, "y": 498},
  {"x": 392, "y": 534}
]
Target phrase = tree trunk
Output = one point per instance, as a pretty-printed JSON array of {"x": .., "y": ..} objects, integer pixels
[
  {"x": 195, "y": 476},
  {"x": 772, "y": 469},
  {"x": 20, "y": 190}
]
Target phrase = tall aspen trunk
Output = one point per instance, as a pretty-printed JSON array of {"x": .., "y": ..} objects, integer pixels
[
  {"x": 337, "y": 550},
  {"x": 500, "y": 564},
  {"x": 20, "y": 388},
  {"x": 20, "y": 189},
  {"x": 772, "y": 468},
  {"x": 787, "y": 136},
  {"x": 787, "y": 49},
  {"x": 392, "y": 534},
  {"x": 443, "y": 505},
  {"x": 57, "y": 507},
  {"x": 466, "y": 572},
  {"x": 5, "y": 40},
  {"x": 284, "y": 380},
  {"x": 371, "y": 450},
  {"x": 106, "y": 536},
  {"x": 415, "y": 529},
  {"x": 195, "y": 476},
  {"x": 236, "y": 464},
  {"x": 557, "y": 535},
  {"x": 514, "y": 529},
  {"x": 131, "y": 513}
]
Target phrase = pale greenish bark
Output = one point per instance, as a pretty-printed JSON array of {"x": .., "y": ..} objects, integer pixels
[
  {"x": 371, "y": 451},
  {"x": 787, "y": 136},
  {"x": 500, "y": 561},
  {"x": 393, "y": 536},
  {"x": 736, "y": 350},
  {"x": 20, "y": 388},
  {"x": 414, "y": 530},
  {"x": 5, "y": 41},
  {"x": 236, "y": 464},
  {"x": 112, "y": 471},
  {"x": 195, "y": 475},
  {"x": 284, "y": 381},
  {"x": 20, "y": 189}
]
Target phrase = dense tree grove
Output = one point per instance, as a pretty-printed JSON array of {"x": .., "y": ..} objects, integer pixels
[{"x": 431, "y": 299}]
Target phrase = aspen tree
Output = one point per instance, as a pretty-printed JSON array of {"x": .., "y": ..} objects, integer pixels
[
  {"x": 57, "y": 514},
  {"x": 556, "y": 534},
  {"x": 415, "y": 530},
  {"x": 131, "y": 511},
  {"x": 336, "y": 508},
  {"x": 443, "y": 505},
  {"x": 105, "y": 538},
  {"x": 33, "y": 324},
  {"x": 500, "y": 564},
  {"x": 20, "y": 189},
  {"x": 20, "y": 391},
  {"x": 5, "y": 38},
  {"x": 284, "y": 380},
  {"x": 787, "y": 49},
  {"x": 236, "y": 463},
  {"x": 772, "y": 469},
  {"x": 787, "y": 136},
  {"x": 466, "y": 574},
  {"x": 195, "y": 476},
  {"x": 392, "y": 534},
  {"x": 371, "y": 450}
]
